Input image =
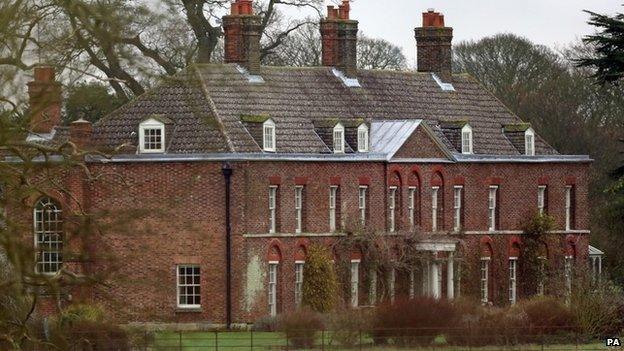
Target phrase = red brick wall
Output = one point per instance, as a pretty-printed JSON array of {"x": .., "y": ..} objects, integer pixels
[{"x": 176, "y": 216}]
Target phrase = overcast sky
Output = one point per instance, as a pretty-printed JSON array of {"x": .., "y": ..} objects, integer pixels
[{"x": 549, "y": 22}]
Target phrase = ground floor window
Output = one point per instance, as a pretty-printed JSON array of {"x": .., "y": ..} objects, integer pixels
[
  {"x": 189, "y": 294},
  {"x": 372, "y": 292},
  {"x": 298, "y": 282},
  {"x": 513, "y": 265},
  {"x": 355, "y": 282},
  {"x": 485, "y": 273},
  {"x": 273, "y": 288}
]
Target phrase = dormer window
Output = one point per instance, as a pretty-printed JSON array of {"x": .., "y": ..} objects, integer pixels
[
  {"x": 466, "y": 140},
  {"x": 268, "y": 132},
  {"x": 151, "y": 136},
  {"x": 339, "y": 138},
  {"x": 363, "y": 138},
  {"x": 529, "y": 142}
]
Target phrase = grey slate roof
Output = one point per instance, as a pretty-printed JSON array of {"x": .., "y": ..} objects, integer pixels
[{"x": 206, "y": 103}]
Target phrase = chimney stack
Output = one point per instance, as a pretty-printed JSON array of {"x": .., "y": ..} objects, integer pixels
[
  {"x": 339, "y": 39},
  {"x": 45, "y": 100},
  {"x": 80, "y": 132},
  {"x": 242, "y": 36},
  {"x": 433, "y": 41}
]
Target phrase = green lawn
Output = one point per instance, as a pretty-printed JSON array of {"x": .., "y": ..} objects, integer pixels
[{"x": 234, "y": 341}]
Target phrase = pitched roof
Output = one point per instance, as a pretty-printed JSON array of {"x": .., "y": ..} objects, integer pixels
[{"x": 206, "y": 102}]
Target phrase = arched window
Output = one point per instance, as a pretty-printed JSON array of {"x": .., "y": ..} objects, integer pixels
[
  {"x": 466, "y": 139},
  {"x": 339, "y": 138},
  {"x": 48, "y": 223},
  {"x": 268, "y": 132},
  {"x": 363, "y": 138},
  {"x": 529, "y": 142}
]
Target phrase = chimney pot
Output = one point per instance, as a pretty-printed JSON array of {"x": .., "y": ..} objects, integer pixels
[
  {"x": 242, "y": 36},
  {"x": 80, "y": 132},
  {"x": 331, "y": 12},
  {"x": 234, "y": 9},
  {"x": 339, "y": 39},
  {"x": 44, "y": 74}
]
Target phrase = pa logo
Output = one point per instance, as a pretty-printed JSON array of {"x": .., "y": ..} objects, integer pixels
[{"x": 614, "y": 342}]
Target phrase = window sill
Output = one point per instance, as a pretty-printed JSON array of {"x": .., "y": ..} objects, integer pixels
[{"x": 189, "y": 310}]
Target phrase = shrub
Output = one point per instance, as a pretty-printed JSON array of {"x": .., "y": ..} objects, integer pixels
[
  {"x": 413, "y": 322},
  {"x": 347, "y": 324},
  {"x": 300, "y": 327},
  {"x": 547, "y": 315},
  {"x": 85, "y": 328},
  {"x": 320, "y": 284},
  {"x": 265, "y": 324},
  {"x": 597, "y": 307}
]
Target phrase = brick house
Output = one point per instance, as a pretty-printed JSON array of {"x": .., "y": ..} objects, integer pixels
[{"x": 241, "y": 167}]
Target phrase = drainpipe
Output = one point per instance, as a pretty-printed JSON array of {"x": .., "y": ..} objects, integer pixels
[{"x": 226, "y": 169}]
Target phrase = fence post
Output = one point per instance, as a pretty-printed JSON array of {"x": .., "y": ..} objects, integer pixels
[
  {"x": 180, "y": 340},
  {"x": 360, "y": 336},
  {"x": 216, "y": 340}
]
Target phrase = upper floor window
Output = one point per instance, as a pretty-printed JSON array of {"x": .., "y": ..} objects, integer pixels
[
  {"x": 411, "y": 204},
  {"x": 151, "y": 136},
  {"x": 272, "y": 209},
  {"x": 48, "y": 223},
  {"x": 569, "y": 207},
  {"x": 339, "y": 138},
  {"x": 298, "y": 209},
  {"x": 363, "y": 138},
  {"x": 362, "y": 203},
  {"x": 268, "y": 135},
  {"x": 434, "y": 208},
  {"x": 392, "y": 194},
  {"x": 457, "y": 206},
  {"x": 333, "y": 199},
  {"x": 466, "y": 139},
  {"x": 529, "y": 142},
  {"x": 492, "y": 207},
  {"x": 541, "y": 199}
]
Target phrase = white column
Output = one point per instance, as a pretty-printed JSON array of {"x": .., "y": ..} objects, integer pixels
[
  {"x": 435, "y": 279},
  {"x": 450, "y": 279}
]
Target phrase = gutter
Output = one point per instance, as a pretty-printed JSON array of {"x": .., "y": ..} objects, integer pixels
[{"x": 227, "y": 171}]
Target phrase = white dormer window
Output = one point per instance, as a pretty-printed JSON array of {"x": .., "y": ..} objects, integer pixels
[
  {"x": 339, "y": 138},
  {"x": 151, "y": 136},
  {"x": 466, "y": 139},
  {"x": 268, "y": 132},
  {"x": 529, "y": 142},
  {"x": 363, "y": 138}
]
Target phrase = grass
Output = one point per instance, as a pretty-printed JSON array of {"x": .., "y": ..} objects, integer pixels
[{"x": 235, "y": 341}]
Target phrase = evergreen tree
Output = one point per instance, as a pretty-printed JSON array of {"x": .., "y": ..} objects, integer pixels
[
  {"x": 320, "y": 283},
  {"x": 608, "y": 58}
]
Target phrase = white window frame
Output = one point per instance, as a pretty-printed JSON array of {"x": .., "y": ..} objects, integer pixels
[
  {"x": 412, "y": 284},
  {"x": 434, "y": 208},
  {"x": 513, "y": 280},
  {"x": 147, "y": 125},
  {"x": 492, "y": 203},
  {"x": 182, "y": 285},
  {"x": 273, "y": 271},
  {"x": 372, "y": 293},
  {"x": 362, "y": 192},
  {"x": 48, "y": 238},
  {"x": 333, "y": 195},
  {"x": 411, "y": 204},
  {"x": 568, "y": 207},
  {"x": 568, "y": 263},
  {"x": 392, "y": 192},
  {"x": 355, "y": 283},
  {"x": 273, "y": 208},
  {"x": 541, "y": 199},
  {"x": 466, "y": 140},
  {"x": 298, "y": 209},
  {"x": 529, "y": 142},
  {"x": 299, "y": 265},
  {"x": 363, "y": 139},
  {"x": 484, "y": 279},
  {"x": 268, "y": 136},
  {"x": 457, "y": 206},
  {"x": 338, "y": 137}
]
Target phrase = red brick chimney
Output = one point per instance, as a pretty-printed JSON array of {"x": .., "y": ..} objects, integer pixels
[
  {"x": 80, "y": 132},
  {"x": 242, "y": 36},
  {"x": 433, "y": 41},
  {"x": 339, "y": 39},
  {"x": 45, "y": 100}
]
